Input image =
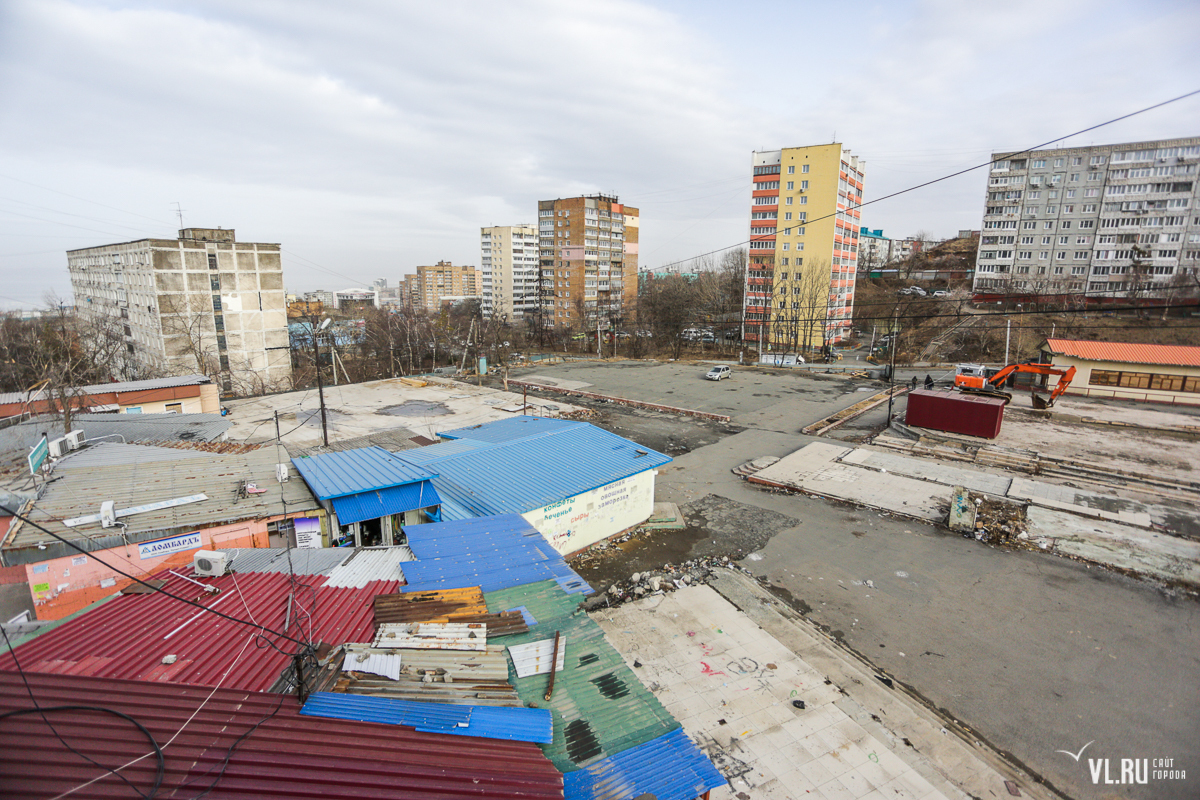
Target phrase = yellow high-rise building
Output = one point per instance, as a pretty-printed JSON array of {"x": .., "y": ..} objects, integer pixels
[{"x": 804, "y": 224}]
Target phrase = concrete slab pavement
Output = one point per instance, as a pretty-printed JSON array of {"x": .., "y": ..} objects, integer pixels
[{"x": 733, "y": 667}]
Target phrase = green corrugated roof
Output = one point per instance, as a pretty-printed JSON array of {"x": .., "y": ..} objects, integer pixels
[{"x": 600, "y": 707}]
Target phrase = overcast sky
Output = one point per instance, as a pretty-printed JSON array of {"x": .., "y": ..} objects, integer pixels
[{"x": 372, "y": 137}]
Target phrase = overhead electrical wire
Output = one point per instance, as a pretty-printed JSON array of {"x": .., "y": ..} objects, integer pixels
[
  {"x": 987, "y": 163},
  {"x": 154, "y": 589}
]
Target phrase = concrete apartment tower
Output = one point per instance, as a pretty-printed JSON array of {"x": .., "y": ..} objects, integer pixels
[
  {"x": 442, "y": 282},
  {"x": 509, "y": 265},
  {"x": 804, "y": 225},
  {"x": 1111, "y": 221},
  {"x": 588, "y": 252},
  {"x": 203, "y": 303}
]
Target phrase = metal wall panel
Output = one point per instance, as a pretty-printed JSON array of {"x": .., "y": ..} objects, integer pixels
[{"x": 955, "y": 412}]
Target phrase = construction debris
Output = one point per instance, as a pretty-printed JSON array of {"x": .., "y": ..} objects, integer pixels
[{"x": 665, "y": 579}]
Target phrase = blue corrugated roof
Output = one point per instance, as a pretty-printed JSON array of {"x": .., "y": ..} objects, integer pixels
[
  {"x": 487, "y": 722},
  {"x": 668, "y": 768},
  {"x": 493, "y": 553},
  {"x": 506, "y": 430},
  {"x": 521, "y": 474},
  {"x": 381, "y": 502},
  {"x": 332, "y": 475}
]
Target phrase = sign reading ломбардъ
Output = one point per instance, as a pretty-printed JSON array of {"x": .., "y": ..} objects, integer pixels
[{"x": 172, "y": 544}]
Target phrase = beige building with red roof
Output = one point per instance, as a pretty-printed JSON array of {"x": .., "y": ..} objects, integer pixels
[{"x": 1156, "y": 373}]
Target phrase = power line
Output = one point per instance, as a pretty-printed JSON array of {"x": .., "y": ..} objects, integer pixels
[
  {"x": 91, "y": 554},
  {"x": 987, "y": 163}
]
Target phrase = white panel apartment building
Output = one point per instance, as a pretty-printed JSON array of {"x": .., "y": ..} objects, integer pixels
[
  {"x": 1116, "y": 221},
  {"x": 203, "y": 303},
  {"x": 509, "y": 263}
]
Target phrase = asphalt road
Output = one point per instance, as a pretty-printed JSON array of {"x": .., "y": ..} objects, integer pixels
[{"x": 1035, "y": 653}]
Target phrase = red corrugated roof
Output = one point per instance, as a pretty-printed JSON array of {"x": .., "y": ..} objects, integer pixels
[
  {"x": 288, "y": 755},
  {"x": 129, "y": 636},
  {"x": 1167, "y": 355}
]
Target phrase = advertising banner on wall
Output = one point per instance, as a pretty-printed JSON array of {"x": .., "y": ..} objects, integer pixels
[
  {"x": 308, "y": 532},
  {"x": 172, "y": 544}
]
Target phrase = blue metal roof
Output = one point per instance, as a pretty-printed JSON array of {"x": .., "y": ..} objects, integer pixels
[
  {"x": 506, "y": 430},
  {"x": 524, "y": 473},
  {"x": 669, "y": 768},
  {"x": 332, "y": 475},
  {"x": 487, "y": 722},
  {"x": 493, "y": 553},
  {"x": 381, "y": 502}
]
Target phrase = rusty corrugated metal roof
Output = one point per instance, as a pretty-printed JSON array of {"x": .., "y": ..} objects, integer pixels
[
  {"x": 130, "y": 636},
  {"x": 1165, "y": 355},
  {"x": 281, "y": 755}
]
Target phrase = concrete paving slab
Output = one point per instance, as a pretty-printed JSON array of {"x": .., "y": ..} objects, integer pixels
[
  {"x": 363, "y": 408},
  {"x": 1080, "y": 501},
  {"x": 815, "y": 469},
  {"x": 1126, "y": 547},
  {"x": 734, "y": 698},
  {"x": 928, "y": 470},
  {"x": 560, "y": 382}
]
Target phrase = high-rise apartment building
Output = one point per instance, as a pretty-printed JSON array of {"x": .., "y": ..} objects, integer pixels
[
  {"x": 429, "y": 286},
  {"x": 203, "y": 303},
  {"x": 804, "y": 226},
  {"x": 588, "y": 251},
  {"x": 509, "y": 265},
  {"x": 1107, "y": 221}
]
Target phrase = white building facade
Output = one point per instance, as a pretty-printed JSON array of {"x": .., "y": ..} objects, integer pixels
[
  {"x": 509, "y": 264},
  {"x": 1109, "y": 221}
]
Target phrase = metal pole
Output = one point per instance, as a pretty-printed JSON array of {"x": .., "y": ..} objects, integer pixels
[
  {"x": 892, "y": 371},
  {"x": 321, "y": 390},
  {"x": 277, "y": 425},
  {"x": 1007, "y": 334}
]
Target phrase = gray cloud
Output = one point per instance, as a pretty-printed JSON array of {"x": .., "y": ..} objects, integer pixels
[{"x": 372, "y": 137}]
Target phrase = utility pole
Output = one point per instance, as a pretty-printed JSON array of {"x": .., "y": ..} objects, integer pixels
[
  {"x": 320, "y": 382},
  {"x": 1007, "y": 335},
  {"x": 892, "y": 371},
  {"x": 277, "y": 437}
]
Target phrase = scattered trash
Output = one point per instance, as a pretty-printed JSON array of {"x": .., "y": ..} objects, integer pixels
[
  {"x": 798, "y": 703},
  {"x": 886, "y": 681},
  {"x": 169, "y": 659}
]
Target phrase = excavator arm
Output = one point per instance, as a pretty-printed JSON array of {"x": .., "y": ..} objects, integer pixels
[{"x": 992, "y": 386}]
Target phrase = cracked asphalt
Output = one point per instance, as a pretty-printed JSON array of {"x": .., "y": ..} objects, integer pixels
[{"x": 1034, "y": 653}]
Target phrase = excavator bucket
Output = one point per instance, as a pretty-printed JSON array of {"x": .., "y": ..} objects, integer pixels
[{"x": 1040, "y": 402}]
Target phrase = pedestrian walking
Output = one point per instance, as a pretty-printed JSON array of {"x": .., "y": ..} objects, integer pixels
[
  {"x": 928, "y": 382},
  {"x": 914, "y": 383}
]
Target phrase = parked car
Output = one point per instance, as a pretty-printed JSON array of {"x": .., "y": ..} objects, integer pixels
[
  {"x": 644, "y": 334},
  {"x": 941, "y": 293},
  {"x": 708, "y": 338},
  {"x": 718, "y": 372},
  {"x": 732, "y": 333},
  {"x": 917, "y": 290}
]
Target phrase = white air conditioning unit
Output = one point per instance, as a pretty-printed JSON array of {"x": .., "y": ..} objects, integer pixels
[
  {"x": 58, "y": 447},
  {"x": 108, "y": 514},
  {"x": 281, "y": 473},
  {"x": 76, "y": 439},
  {"x": 209, "y": 563}
]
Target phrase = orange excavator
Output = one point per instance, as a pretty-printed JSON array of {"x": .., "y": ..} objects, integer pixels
[{"x": 978, "y": 379}]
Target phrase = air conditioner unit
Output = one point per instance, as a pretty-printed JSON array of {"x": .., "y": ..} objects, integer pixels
[
  {"x": 58, "y": 447},
  {"x": 281, "y": 473},
  {"x": 108, "y": 514},
  {"x": 209, "y": 563},
  {"x": 76, "y": 439}
]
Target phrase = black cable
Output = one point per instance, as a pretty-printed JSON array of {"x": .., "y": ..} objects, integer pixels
[
  {"x": 987, "y": 163},
  {"x": 153, "y": 588},
  {"x": 229, "y": 754},
  {"x": 37, "y": 709}
]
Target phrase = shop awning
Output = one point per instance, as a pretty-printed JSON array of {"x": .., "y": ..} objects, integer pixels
[{"x": 382, "y": 502}]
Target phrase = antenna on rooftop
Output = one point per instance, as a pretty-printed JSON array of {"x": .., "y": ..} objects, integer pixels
[{"x": 179, "y": 213}]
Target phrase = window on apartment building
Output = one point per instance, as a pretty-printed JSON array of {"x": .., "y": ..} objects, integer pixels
[
  {"x": 1048, "y": 225},
  {"x": 804, "y": 169},
  {"x": 791, "y": 185},
  {"x": 1028, "y": 226},
  {"x": 804, "y": 186},
  {"x": 787, "y": 215},
  {"x": 212, "y": 260},
  {"x": 791, "y": 170},
  {"x": 1058, "y": 162},
  {"x": 787, "y": 201},
  {"x": 803, "y": 200}
]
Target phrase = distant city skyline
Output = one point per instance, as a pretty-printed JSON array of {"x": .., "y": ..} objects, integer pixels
[{"x": 369, "y": 140}]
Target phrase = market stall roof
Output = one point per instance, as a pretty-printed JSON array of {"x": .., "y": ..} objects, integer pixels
[{"x": 244, "y": 744}]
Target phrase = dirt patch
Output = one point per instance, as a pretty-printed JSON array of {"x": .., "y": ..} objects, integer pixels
[
  {"x": 717, "y": 528},
  {"x": 416, "y": 408}
]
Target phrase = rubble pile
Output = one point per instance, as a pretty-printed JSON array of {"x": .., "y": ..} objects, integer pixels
[
  {"x": 999, "y": 522},
  {"x": 668, "y": 578}
]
